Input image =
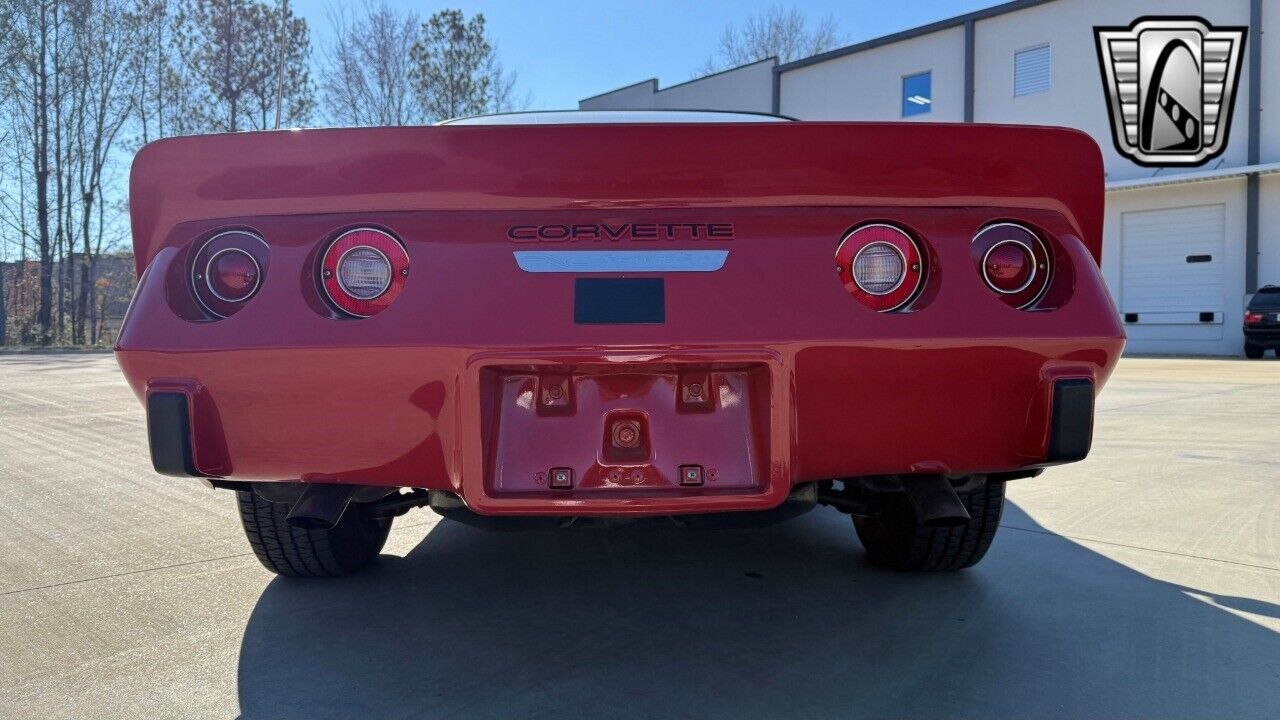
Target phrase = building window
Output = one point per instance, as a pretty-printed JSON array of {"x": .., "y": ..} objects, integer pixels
[
  {"x": 1031, "y": 70},
  {"x": 917, "y": 94}
]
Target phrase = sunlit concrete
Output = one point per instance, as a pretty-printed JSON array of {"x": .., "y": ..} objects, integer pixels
[{"x": 1144, "y": 581}]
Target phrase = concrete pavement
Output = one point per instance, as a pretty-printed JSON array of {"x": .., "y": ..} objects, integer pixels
[{"x": 1144, "y": 581}]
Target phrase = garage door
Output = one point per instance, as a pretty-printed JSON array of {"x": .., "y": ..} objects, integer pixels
[{"x": 1172, "y": 265}]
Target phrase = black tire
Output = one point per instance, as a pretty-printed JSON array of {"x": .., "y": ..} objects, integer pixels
[
  {"x": 293, "y": 552},
  {"x": 1254, "y": 352},
  {"x": 893, "y": 539}
]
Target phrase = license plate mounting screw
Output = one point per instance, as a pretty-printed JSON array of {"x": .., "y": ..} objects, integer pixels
[
  {"x": 561, "y": 478},
  {"x": 691, "y": 474}
]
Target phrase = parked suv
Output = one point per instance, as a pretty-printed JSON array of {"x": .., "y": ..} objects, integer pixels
[{"x": 1262, "y": 323}]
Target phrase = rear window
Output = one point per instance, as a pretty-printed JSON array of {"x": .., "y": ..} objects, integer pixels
[
  {"x": 1266, "y": 299},
  {"x": 607, "y": 117}
]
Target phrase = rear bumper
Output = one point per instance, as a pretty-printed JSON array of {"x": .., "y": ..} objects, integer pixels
[
  {"x": 1268, "y": 337},
  {"x": 429, "y": 393},
  {"x": 434, "y": 417}
]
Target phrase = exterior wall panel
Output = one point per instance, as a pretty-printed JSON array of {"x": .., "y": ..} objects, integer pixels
[
  {"x": 1269, "y": 230},
  {"x": 1270, "y": 135},
  {"x": 632, "y": 97},
  {"x": 748, "y": 88},
  {"x": 1219, "y": 338},
  {"x": 868, "y": 85},
  {"x": 1075, "y": 98}
]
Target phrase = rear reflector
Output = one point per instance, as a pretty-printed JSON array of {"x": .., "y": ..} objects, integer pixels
[{"x": 1070, "y": 421}]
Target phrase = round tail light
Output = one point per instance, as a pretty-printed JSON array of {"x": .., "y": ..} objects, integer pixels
[
  {"x": 881, "y": 266},
  {"x": 233, "y": 275},
  {"x": 364, "y": 271},
  {"x": 1014, "y": 262},
  {"x": 1009, "y": 267},
  {"x": 228, "y": 270}
]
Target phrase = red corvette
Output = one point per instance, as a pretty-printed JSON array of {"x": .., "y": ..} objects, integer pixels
[{"x": 558, "y": 318}]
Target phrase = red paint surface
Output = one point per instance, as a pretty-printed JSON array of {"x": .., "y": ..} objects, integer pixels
[{"x": 424, "y": 393}]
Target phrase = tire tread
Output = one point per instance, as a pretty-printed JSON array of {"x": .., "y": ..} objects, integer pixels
[
  {"x": 297, "y": 552},
  {"x": 896, "y": 541}
]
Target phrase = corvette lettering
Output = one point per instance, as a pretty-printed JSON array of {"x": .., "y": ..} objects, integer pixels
[{"x": 622, "y": 232}]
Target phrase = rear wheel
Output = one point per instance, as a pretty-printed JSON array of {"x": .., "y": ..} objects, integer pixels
[
  {"x": 295, "y": 552},
  {"x": 894, "y": 539},
  {"x": 1253, "y": 352}
]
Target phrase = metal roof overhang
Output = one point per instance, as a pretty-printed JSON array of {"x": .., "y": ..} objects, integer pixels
[{"x": 1238, "y": 171}]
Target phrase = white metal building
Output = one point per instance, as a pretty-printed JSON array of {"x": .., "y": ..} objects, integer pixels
[{"x": 1035, "y": 61}]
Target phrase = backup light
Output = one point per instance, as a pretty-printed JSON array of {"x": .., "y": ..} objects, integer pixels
[
  {"x": 878, "y": 268},
  {"x": 363, "y": 271},
  {"x": 881, "y": 266}
]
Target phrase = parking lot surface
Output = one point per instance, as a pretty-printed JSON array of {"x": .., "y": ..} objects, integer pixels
[{"x": 1144, "y": 581}]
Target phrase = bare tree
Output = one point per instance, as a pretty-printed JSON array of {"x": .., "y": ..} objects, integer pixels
[
  {"x": 105, "y": 39},
  {"x": 780, "y": 32},
  {"x": 85, "y": 82},
  {"x": 160, "y": 89},
  {"x": 64, "y": 84},
  {"x": 6, "y": 108},
  {"x": 502, "y": 87},
  {"x": 33, "y": 46},
  {"x": 366, "y": 75}
]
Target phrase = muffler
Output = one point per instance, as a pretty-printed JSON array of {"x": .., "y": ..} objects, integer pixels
[
  {"x": 935, "y": 502},
  {"x": 320, "y": 506}
]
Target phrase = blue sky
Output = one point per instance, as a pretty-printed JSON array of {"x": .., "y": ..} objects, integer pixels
[{"x": 565, "y": 50}]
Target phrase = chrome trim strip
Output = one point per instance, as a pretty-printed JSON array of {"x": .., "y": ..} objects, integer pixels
[{"x": 613, "y": 261}]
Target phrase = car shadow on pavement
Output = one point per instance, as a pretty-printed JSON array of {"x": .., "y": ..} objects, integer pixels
[{"x": 784, "y": 622}]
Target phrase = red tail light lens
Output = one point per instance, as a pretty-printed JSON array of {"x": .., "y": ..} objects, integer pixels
[
  {"x": 881, "y": 266},
  {"x": 228, "y": 270},
  {"x": 364, "y": 271},
  {"x": 1252, "y": 318},
  {"x": 1014, "y": 262},
  {"x": 1009, "y": 267},
  {"x": 233, "y": 275}
]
